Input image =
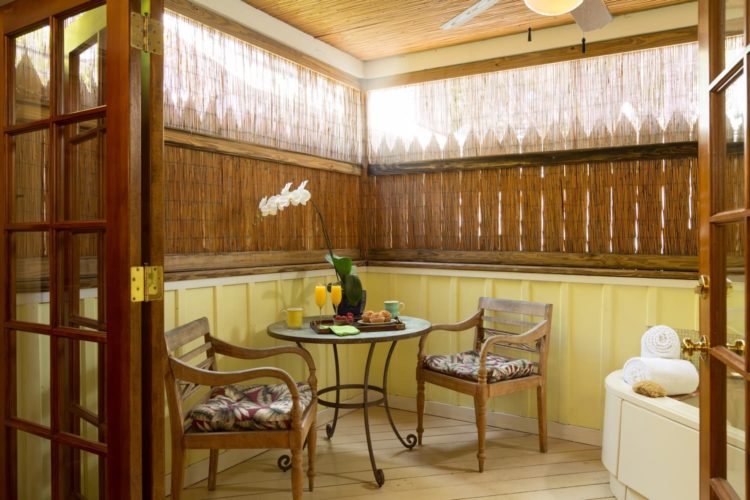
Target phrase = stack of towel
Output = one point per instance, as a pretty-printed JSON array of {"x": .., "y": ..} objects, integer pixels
[{"x": 660, "y": 362}]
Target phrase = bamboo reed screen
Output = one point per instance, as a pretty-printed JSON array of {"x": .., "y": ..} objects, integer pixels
[
  {"x": 216, "y": 84},
  {"x": 641, "y": 97},
  {"x": 212, "y": 205},
  {"x": 644, "y": 207}
]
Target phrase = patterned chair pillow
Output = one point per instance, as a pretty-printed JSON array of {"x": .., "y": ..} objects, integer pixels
[
  {"x": 465, "y": 365},
  {"x": 257, "y": 407}
]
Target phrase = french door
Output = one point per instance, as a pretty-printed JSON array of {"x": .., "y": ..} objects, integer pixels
[
  {"x": 76, "y": 371},
  {"x": 724, "y": 261}
]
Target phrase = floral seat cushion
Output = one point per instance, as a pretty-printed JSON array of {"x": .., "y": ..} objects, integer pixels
[
  {"x": 465, "y": 365},
  {"x": 257, "y": 407}
]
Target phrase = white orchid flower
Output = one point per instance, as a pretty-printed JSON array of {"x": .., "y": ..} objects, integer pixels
[
  {"x": 278, "y": 202},
  {"x": 263, "y": 206},
  {"x": 304, "y": 194}
]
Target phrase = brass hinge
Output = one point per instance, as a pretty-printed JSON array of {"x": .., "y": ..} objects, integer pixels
[
  {"x": 146, "y": 283},
  {"x": 146, "y": 34}
]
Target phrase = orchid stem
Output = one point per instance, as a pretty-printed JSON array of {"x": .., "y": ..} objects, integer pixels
[{"x": 327, "y": 237}]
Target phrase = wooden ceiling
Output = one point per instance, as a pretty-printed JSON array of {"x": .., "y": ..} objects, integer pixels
[{"x": 372, "y": 29}]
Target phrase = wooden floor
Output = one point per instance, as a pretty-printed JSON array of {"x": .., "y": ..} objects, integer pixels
[{"x": 444, "y": 467}]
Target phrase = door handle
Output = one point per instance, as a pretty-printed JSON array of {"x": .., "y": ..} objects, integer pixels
[
  {"x": 689, "y": 347},
  {"x": 704, "y": 284}
]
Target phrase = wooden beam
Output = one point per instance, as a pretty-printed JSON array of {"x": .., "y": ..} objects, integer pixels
[
  {"x": 185, "y": 8},
  {"x": 246, "y": 150},
  {"x": 197, "y": 262},
  {"x": 546, "y": 259},
  {"x": 620, "y": 153},
  {"x": 594, "y": 49}
]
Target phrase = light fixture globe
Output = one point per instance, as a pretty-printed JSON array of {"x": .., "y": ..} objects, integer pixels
[{"x": 552, "y": 7}]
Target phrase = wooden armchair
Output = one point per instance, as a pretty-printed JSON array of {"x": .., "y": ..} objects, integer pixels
[
  {"x": 259, "y": 416},
  {"x": 483, "y": 374}
]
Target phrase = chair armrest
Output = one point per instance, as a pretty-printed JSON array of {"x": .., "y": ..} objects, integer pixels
[
  {"x": 536, "y": 333},
  {"x": 234, "y": 351},
  {"x": 472, "y": 321},
  {"x": 183, "y": 371}
]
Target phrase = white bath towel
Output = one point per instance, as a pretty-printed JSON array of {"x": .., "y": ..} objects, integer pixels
[
  {"x": 660, "y": 342},
  {"x": 677, "y": 376}
]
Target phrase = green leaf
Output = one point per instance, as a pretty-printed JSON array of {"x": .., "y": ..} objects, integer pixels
[
  {"x": 353, "y": 288},
  {"x": 343, "y": 265}
]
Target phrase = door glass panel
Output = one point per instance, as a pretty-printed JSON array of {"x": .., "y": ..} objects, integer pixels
[
  {"x": 30, "y": 80},
  {"x": 31, "y": 377},
  {"x": 84, "y": 49},
  {"x": 34, "y": 472},
  {"x": 81, "y": 365},
  {"x": 30, "y": 162},
  {"x": 80, "y": 477},
  {"x": 29, "y": 265},
  {"x": 728, "y": 164},
  {"x": 80, "y": 278},
  {"x": 734, "y": 250},
  {"x": 736, "y": 433},
  {"x": 734, "y": 30},
  {"x": 82, "y": 177}
]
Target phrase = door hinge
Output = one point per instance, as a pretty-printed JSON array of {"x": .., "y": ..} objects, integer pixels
[
  {"x": 146, "y": 34},
  {"x": 146, "y": 283}
]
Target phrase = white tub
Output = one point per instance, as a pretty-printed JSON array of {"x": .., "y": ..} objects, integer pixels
[{"x": 650, "y": 445}]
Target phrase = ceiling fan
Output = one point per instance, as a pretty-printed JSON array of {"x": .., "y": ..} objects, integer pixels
[{"x": 589, "y": 14}]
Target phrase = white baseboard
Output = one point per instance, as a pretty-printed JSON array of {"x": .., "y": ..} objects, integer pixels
[
  {"x": 583, "y": 435},
  {"x": 199, "y": 471}
]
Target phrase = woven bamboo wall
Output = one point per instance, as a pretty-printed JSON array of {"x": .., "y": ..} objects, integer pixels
[
  {"x": 212, "y": 205},
  {"x": 631, "y": 207}
]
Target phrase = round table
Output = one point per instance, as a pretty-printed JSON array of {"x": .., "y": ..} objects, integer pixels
[{"x": 415, "y": 327}]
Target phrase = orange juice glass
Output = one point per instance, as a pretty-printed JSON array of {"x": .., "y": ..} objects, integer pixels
[
  {"x": 335, "y": 295},
  {"x": 320, "y": 298}
]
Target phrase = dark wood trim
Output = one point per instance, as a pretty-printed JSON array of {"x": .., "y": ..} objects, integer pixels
[
  {"x": 553, "y": 259},
  {"x": 198, "y": 274},
  {"x": 7, "y": 445},
  {"x": 21, "y": 14},
  {"x": 185, "y": 8},
  {"x": 155, "y": 355},
  {"x": 212, "y": 262},
  {"x": 568, "y": 271},
  {"x": 619, "y": 153},
  {"x": 124, "y": 475},
  {"x": 594, "y": 49},
  {"x": 364, "y": 186},
  {"x": 221, "y": 145}
]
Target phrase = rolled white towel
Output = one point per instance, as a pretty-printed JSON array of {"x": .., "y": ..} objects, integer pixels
[
  {"x": 660, "y": 342},
  {"x": 677, "y": 376}
]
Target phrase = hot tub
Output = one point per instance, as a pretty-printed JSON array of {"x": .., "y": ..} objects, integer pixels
[{"x": 650, "y": 445}]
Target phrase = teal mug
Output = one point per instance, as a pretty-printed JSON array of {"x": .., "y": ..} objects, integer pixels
[{"x": 394, "y": 307}]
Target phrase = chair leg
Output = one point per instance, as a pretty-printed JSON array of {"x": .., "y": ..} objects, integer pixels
[
  {"x": 480, "y": 410},
  {"x": 297, "y": 475},
  {"x": 312, "y": 439},
  {"x": 178, "y": 470},
  {"x": 420, "y": 406},
  {"x": 541, "y": 405},
  {"x": 213, "y": 464}
]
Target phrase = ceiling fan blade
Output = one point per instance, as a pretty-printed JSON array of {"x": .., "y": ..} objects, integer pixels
[
  {"x": 469, "y": 13},
  {"x": 591, "y": 15}
]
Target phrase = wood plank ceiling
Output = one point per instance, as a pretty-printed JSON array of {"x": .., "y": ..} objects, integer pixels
[{"x": 373, "y": 29}]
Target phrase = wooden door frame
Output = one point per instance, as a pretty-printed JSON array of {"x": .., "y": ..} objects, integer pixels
[
  {"x": 713, "y": 75},
  {"x": 125, "y": 183}
]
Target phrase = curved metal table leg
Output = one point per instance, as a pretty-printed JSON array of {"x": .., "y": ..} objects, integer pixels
[
  {"x": 331, "y": 427},
  {"x": 411, "y": 439},
  {"x": 379, "y": 476}
]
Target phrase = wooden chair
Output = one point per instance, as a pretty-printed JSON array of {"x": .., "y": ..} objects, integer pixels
[
  {"x": 483, "y": 374},
  {"x": 213, "y": 424}
]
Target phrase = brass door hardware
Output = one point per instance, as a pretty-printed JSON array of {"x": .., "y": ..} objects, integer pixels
[
  {"x": 703, "y": 286},
  {"x": 146, "y": 283},
  {"x": 738, "y": 347},
  {"x": 689, "y": 347}
]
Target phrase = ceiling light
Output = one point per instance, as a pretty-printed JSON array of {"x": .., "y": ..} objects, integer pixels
[{"x": 552, "y": 7}]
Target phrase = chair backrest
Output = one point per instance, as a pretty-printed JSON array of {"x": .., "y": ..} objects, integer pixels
[
  {"x": 201, "y": 355},
  {"x": 515, "y": 317}
]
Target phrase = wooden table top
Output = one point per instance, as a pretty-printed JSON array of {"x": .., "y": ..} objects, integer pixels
[{"x": 414, "y": 328}]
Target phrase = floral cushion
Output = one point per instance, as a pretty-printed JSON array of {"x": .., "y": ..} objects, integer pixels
[
  {"x": 257, "y": 407},
  {"x": 465, "y": 365}
]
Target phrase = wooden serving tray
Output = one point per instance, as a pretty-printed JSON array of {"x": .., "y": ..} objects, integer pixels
[{"x": 373, "y": 327}]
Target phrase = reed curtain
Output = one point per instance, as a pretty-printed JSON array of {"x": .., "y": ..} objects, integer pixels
[
  {"x": 216, "y": 84},
  {"x": 640, "y": 97}
]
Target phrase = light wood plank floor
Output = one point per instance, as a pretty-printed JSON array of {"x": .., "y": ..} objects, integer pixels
[{"x": 444, "y": 467}]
